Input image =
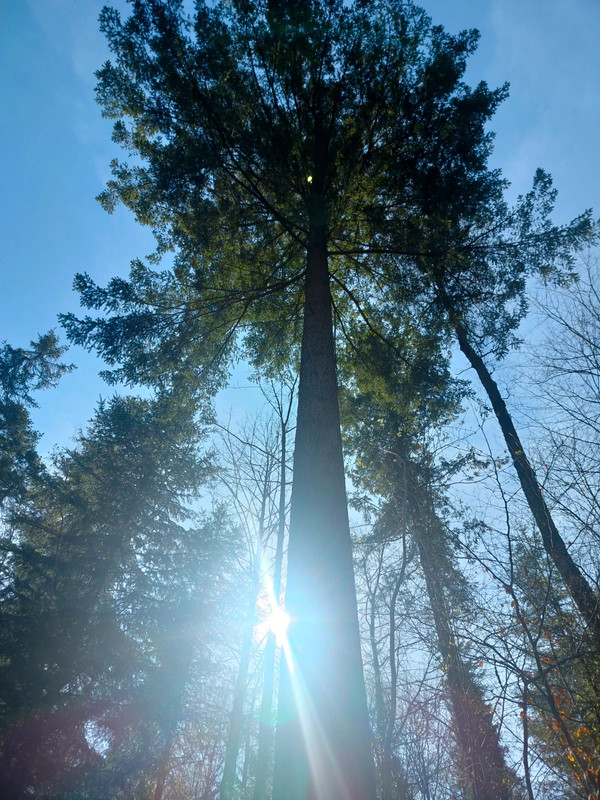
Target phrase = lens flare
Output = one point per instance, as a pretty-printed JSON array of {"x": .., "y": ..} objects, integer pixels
[{"x": 278, "y": 621}]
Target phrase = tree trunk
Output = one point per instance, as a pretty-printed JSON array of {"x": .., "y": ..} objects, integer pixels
[
  {"x": 483, "y": 770},
  {"x": 380, "y": 705},
  {"x": 163, "y": 772},
  {"x": 389, "y": 790},
  {"x": 581, "y": 592},
  {"x": 266, "y": 710},
  {"x": 236, "y": 718},
  {"x": 323, "y": 748},
  {"x": 239, "y": 697}
]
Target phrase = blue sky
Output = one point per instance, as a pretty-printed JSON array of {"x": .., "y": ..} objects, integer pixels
[{"x": 55, "y": 150}]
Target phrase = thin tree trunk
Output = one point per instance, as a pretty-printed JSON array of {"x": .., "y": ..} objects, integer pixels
[
  {"x": 581, "y": 592},
  {"x": 266, "y": 710},
  {"x": 163, "y": 773},
  {"x": 525, "y": 718},
  {"x": 323, "y": 748},
  {"x": 377, "y": 688},
  {"x": 239, "y": 697},
  {"x": 236, "y": 719},
  {"x": 388, "y": 790},
  {"x": 380, "y": 709},
  {"x": 246, "y": 771}
]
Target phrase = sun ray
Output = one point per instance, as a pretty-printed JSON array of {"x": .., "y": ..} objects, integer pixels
[{"x": 325, "y": 770}]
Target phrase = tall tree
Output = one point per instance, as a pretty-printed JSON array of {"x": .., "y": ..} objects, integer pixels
[
  {"x": 482, "y": 767},
  {"x": 476, "y": 256},
  {"x": 403, "y": 398},
  {"x": 103, "y": 606},
  {"x": 283, "y": 410},
  {"x": 268, "y": 133},
  {"x": 248, "y": 469}
]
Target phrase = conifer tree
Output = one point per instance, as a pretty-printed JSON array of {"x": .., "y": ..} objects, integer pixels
[
  {"x": 269, "y": 136},
  {"x": 109, "y": 588},
  {"x": 477, "y": 278},
  {"x": 401, "y": 399}
]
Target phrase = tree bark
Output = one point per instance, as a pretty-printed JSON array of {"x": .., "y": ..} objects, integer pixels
[
  {"x": 581, "y": 592},
  {"x": 323, "y": 748}
]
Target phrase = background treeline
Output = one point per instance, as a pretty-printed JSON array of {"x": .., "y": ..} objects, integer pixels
[{"x": 139, "y": 564}]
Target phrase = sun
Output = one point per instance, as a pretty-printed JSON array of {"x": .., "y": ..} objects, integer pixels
[
  {"x": 277, "y": 621},
  {"x": 272, "y": 617}
]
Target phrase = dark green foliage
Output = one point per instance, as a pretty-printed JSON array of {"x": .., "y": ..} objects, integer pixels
[
  {"x": 23, "y": 372},
  {"x": 111, "y": 583},
  {"x": 477, "y": 256},
  {"x": 241, "y": 118}
]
